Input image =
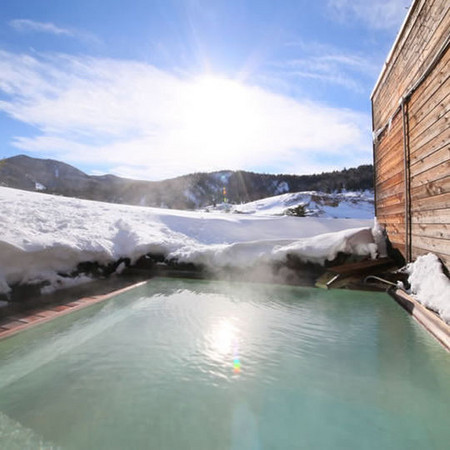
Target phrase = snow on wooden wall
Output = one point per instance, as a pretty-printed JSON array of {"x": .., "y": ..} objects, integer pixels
[{"x": 411, "y": 125}]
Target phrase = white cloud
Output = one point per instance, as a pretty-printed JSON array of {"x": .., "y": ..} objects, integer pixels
[
  {"x": 138, "y": 120},
  {"x": 32, "y": 26},
  {"x": 344, "y": 71},
  {"x": 377, "y": 14},
  {"x": 330, "y": 65},
  {"x": 25, "y": 25}
]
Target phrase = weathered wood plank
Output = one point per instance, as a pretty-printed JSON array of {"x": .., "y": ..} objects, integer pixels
[
  {"x": 431, "y": 84},
  {"x": 416, "y": 252},
  {"x": 439, "y": 231},
  {"x": 392, "y": 200},
  {"x": 389, "y": 169},
  {"x": 441, "y": 113},
  {"x": 396, "y": 230},
  {"x": 432, "y": 125},
  {"x": 440, "y": 20},
  {"x": 404, "y": 37},
  {"x": 438, "y": 142},
  {"x": 436, "y": 187},
  {"x": 433, "y": 105},
  {"x": 390, "y": 137},
  {"x": 392, "y": 153},
  {"x": 397, "y": 239},
  {"x": 361, "y": 266},
  {"x": 387, "y": 174},
  {"x": 440, "y": 157},
  {"x": 393, "y": 219},
  {"x": 436, "y": 202},
  {"x": 438, "y": 246},
  {"x": 429, "y": 134},
  {"x": 412, "y": 58},
  {"x": 388, "y": 210},
  {"x": 432, "y": 174},
  {"x": 389, "y": 147},
  {"x": 434, "y": 216},
  {"x": 391, "y": 183},
  {"x": 399, "y": 245},
  {"x": 393, "y": 160},
  {"x": 429, "y": 43},
  {"x": 423, "y": 43},
  {"x": 394, "y": 189},
  {"x": 395, "y": 235},
  {"x": 387, "y": 88}
]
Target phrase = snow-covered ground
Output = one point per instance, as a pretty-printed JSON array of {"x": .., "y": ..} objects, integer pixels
[
  {"x": 429, "y": 285},
  {"x": 355, "y": 205},
  {"x": 42, "y": 235}
]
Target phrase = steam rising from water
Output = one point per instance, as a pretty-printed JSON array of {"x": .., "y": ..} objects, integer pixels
[{"x": 156, "y": 368}]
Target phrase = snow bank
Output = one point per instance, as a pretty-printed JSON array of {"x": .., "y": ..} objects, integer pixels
[
  {"x": 429, "y": 285},
  {"x": 316, "y": 249},
  {"x": 357, "y": 205},
  {"x": 43, "y": 236}
]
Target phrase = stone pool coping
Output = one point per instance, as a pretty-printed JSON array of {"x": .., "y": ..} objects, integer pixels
[
  {"x": 428, "y": 319},
  {"x": 22, "y": 321}
]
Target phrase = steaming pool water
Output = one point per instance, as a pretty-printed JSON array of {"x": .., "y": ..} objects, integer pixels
[{"x": 179, "y": 364}]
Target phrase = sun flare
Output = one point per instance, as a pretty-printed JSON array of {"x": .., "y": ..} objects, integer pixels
[{"x": 220, "y": 111}]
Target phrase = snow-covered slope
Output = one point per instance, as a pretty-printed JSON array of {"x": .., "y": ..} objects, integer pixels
[
  {"x": 355, "y": 205},
  {"x": 190, "y": 191},
  {"x": 43, "y": 235}
]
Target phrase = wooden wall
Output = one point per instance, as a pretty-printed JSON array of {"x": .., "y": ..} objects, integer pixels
[{"x": 412, "y": 138}]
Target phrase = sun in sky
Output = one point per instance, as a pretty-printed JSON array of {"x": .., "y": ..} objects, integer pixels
[
  {"x": 160, "y": 89},
  {"x": 223, "y": 112}
]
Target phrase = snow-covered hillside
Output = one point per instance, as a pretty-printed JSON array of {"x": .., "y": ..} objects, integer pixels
[
  {"x": 43, "y": 236},
  {"x": 354, "y": 205},
  {"x": 189, "y": 192}
]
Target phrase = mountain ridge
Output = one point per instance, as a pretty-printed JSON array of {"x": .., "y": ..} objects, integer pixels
[{"x": 189, "y": 191}]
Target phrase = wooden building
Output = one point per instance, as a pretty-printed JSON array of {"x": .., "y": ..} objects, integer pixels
[{"x": 411, "y": 133}]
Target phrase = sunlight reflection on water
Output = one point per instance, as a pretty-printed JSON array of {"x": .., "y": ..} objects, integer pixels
[{"x": 180, "y": 364}]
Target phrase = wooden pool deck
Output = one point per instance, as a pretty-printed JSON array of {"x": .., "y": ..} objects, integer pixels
[{"x": 12, "y": 325}]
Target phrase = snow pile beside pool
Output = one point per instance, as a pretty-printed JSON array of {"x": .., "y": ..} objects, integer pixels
[
  {"x": 429, "y": 285},
  {"x": 315, "y": 249},
  {"x": 43, "y": 237}
]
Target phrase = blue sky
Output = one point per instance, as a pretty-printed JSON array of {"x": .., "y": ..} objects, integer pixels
[{"x": 153, "y": 89}]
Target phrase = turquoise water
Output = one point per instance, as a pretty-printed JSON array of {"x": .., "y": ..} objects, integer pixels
[{"x": 180, "y": 364}]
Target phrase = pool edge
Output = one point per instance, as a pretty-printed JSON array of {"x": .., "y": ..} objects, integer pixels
[
  {"x": 21, "y": 322},
  {"x": 432, "y": 323}
]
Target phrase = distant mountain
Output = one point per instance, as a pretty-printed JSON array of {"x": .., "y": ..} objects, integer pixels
[{"x": 185, "y": 192}]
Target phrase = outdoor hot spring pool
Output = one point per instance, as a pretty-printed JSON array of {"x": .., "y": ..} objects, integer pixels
[{"x": 178, "y": 364}]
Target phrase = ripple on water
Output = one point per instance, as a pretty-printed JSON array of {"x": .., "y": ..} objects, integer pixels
[{"x": 184, "y": 364}]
